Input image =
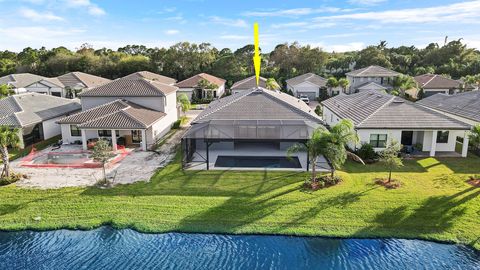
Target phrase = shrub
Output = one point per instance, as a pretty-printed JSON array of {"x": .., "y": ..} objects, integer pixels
[
  {"x": 176, "y": 124},
  {"x": 367, "y": 153},
  {"x": 318, "y": 110},
  {"x": 14, "y": 177}
]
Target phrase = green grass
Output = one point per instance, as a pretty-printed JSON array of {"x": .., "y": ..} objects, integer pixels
[{"x": 434, "y": 203}]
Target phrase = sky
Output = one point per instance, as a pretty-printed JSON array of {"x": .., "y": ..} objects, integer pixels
[{"x": 331, "y": 25}]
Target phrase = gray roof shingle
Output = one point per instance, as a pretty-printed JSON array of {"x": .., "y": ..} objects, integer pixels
[
  {"x": 131, "y": 88},
  {"x": 20, "y": 80},
  {"x": 372, "y": 109},
  {"x": 150, "y": 76},
  {"x": 32, "y": 108},
  {"x": 373, "y": 71},
  {"x": 308, "y": 77},
  {"x": 192, "y": 82},
  {"x": 249, "y": 83},
  {"x": 258, "y": 104},
  {"x": 84, "y": 80},
  {"x": 465, "y": 105}
]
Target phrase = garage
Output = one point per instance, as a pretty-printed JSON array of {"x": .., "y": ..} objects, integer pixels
[{"x": 310, "y": 95}]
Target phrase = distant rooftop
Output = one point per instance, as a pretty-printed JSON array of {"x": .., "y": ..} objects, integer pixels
[
  {"x": 192, "y": 82},
  {"x": 150, "y": 76},
  {"x": 308, "y": 77},
  {"x": 249, "y": 83},
  {"x": 434, "y": 81},
  {"x": 373, "y": 71},
  {"x": 465, "y": 105},
  {"x": 139, "y": 87},
  {"x": 20, "y": 80}
]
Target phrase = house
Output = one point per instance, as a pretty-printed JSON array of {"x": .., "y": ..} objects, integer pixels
[
  {"x": 247, "y": 84},
  {"x": 370, "y": 78},
  {"x": 433, "y": 84},
  {"x": 190, "y": 87},
  {"x": 35, "y": 115},
  {"x": 308, "y": 84},
  {"x": 19, "y": 81},
  {"x": 67, "y": 85},
  {"x": 250, "y": 129},
  {"x": 131, "y": 112},
  {"x": 462, "y": 106},
  {"x": 151, "y": 77},
  {"x": 379, "y": 117}
]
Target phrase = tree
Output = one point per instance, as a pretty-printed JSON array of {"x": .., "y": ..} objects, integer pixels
[
  {"x": 9, "y": 138},
  {"x": 207, "y": 86},
  {"x": 331, "y": 83},
  {"x": 5, "y": 91},
  {"x": 331, "y": 144},
  {"x": 403, "y": 83},
  {"x": 184, "y": 103},
  {"x": 343, "y": 82},
  {"x": 474, "y": 137},
  {"x": 102, "y": 152},
  {"x": 389, "y": 157},
  {"x": 271, "y": 84}
]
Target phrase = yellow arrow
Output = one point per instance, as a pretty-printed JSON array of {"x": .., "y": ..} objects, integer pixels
[{"x": 256, "y": 56}]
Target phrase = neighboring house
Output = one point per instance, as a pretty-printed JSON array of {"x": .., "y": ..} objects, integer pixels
[
  {"x": 35, "y": 115},
  {"x": 462, "y": 106},
  {"x": 151, "y": 76},
  {"x": 132, "y": 112},
  {"x": 19, "y": 81},
  {"x": 433, "y": 84},
  {"x": 308, "y": 84},
  {"x": 247, "y": 84},
  {"x": 379, "y": 117},
  {"x": 190, "y": 87},
  {"x": 370, "y": 78},
  {"x": 251, "y": 129},
  {"x": 67, "y": 85}
]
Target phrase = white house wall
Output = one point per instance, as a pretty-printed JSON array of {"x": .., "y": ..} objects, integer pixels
[
  {"x": 329, "y": 117},
  {"x": 186, "y": 91},
  {"x": 50, "y": 128}
]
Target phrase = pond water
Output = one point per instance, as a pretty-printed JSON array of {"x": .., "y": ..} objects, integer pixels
[{"x": 107, "y": 248}]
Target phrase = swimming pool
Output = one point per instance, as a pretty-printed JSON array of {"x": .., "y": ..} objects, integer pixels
[{"x": 258, "y": 162}]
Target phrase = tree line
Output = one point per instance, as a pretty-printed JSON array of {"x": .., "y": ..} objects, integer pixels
[{"x": 182, "y": 60}]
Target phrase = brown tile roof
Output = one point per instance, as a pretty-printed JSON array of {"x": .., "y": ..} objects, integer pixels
[
  {"x": 84, "y": 80},
  {"x": 249, "y": 83},
  {"x": 192, "y": 82},
  {"x": 131, "y": 88},
  {"x": 373, "y": 71},
  {"x": 373, "y": 109},
  {"x": 150, "y": 76},
  {"x": 434, "y": 81},
  {"x": 118, "y": 114}
]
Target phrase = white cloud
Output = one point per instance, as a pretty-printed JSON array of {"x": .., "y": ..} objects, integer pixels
[
  {"x": 92, "y": 8},
  {"x": 39, "y": 16},
  {"x": 37, "y": 33},
  {"x": 228, "y": 22},
  {"x": 172, "y": 32},
  {"x": 459, "y": 12},
  {"x": 294, "y": 12},
  {"x": 366, "y": 2}
]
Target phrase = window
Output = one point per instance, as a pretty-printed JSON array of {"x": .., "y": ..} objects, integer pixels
[
  {"x": 442, "y": 137},
  {"x": 75, "y": 131},
  {"x": 378, "y": 140},
  {"x": 104, "y": 133}
]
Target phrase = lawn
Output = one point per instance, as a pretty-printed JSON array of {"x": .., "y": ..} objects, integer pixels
[{"x": 434, "y": 203}]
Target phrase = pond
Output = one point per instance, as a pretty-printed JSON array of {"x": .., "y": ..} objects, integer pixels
[{"x": 107, "y": 248}]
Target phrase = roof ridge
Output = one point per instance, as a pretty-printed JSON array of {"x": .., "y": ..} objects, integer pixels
[
  {"x": 377, "y": 110},
  {"x": 433, "y": 77},
  {"x": 103, "y": 116},
  {"x": 241, "y": 95},
  {"x": 290, "y": 105},
  {"x": 91, "y": 109}
]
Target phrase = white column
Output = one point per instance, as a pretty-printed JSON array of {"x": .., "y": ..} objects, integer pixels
[
  {"x": 434, "y": 143},
  {"x": 84, "y": 139},
  {"x": 465, "y": 144},
  {"x": 114, "y": 140},
  {"x": 144, "y": 140}
]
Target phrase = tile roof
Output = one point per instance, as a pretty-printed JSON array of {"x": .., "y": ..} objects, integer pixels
[
  {"x": 20, "y": 80},
  {"x": 192, "y": 82},
  {"x": 249, "y": 83},
  {"x": 373, "y": 71},
  {"x": 434, "y": 81},
  {"x": 118, "y": 114},
  {"x": 150, "y": 76},
  {"x": 370, "y": 84},
  {"x": 32, "y": 108},
  {"x": 258, "y": 104},
  {"x": 131, "y": 88},
  {"x": 308, "y": 77},
  {"x": 372, "y": 109},
  {"x": 84, "y": 80},
  {"x": 465, "y": 105}
]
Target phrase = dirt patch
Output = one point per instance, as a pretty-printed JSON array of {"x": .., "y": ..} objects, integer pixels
[
  {"x": 393, "y": 184},
  {"x": 474, "y": 182}
]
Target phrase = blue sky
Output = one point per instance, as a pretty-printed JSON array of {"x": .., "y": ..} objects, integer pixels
[{"x": 332, "y": 25}]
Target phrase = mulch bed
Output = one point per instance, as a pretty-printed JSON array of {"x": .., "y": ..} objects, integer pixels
[
  {"x": 474, "y": 182},
  {"x": 393, "y": 184}
]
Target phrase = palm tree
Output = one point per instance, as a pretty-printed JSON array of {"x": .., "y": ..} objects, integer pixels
[
  {"x": 271, "y": 84},
  {"x": 5, "y": 91},
  {"x": 474, "y": 137},
  {"x": 331, "y": 144},
  {"x": 331, "y": 83},
  {"x": 343, "y": 82},
  {"x": 184, "y": 103},
  {"x": 8, "y": 138},
  {"x": 403, "y": 83},
  {"x": 207, "y": 86}
]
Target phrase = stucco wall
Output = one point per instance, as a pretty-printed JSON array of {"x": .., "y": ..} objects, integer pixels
[
  {"x": 329, "y": 117},
  {"x": 50, "y": 128}
]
